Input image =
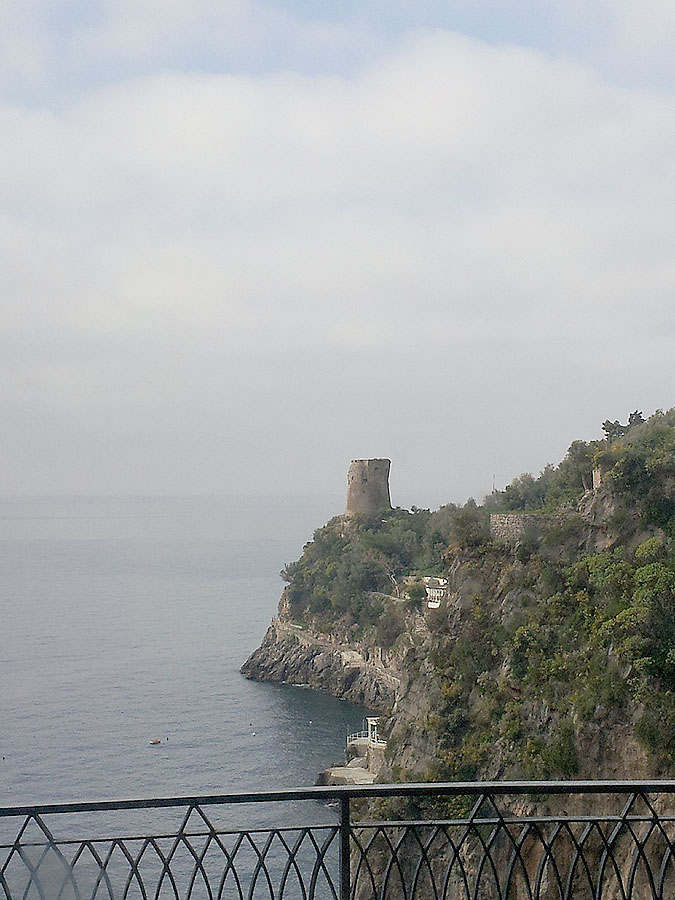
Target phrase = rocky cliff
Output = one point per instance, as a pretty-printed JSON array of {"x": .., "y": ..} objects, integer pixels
[
  {"x": 552, "y": 652},
  {"x": 293, "y": 654},
  {"x": 393, "y": 683}
]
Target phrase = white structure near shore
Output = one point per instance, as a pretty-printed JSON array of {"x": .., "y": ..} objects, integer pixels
[
  {"x": 367, "y": 738},
  {"x": 364, "y": 756}
]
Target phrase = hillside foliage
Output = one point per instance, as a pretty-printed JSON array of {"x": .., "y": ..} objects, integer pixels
[
  {"x": 635, "y": 457},
  {"x": 540, "y": 641},
  {"x": 349, "y": 569}
]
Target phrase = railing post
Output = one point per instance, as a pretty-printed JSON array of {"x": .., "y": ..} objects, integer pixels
[{"x": 345, "y": 873}]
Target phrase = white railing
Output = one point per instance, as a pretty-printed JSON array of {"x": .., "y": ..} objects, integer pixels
[{"x": 365, "y": 735}]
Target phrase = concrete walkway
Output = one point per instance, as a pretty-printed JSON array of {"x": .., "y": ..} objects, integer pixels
[{"x": 346, "y": 775}]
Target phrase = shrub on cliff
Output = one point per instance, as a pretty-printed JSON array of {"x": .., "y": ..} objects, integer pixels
[{"x": 469, "y": 527}]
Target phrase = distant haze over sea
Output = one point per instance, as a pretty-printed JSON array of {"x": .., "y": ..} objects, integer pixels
[{"x": 126, "y": 620}]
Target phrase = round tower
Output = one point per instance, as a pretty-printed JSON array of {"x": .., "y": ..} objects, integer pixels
[{"x": 368, "y": 487}]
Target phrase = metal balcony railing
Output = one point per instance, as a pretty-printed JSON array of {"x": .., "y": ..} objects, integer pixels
[{"x": 474, "y": 841}]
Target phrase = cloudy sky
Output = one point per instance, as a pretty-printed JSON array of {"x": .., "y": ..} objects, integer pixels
[{"x": 244, "y": 242}]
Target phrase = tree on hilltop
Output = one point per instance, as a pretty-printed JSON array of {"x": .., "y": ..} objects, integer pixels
[{"x": 615, "y": 430}]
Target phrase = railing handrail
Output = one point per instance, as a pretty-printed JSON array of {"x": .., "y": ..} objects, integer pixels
[
  {"x": 622, "y": 848},
  {"x": 355, "y": 792}
]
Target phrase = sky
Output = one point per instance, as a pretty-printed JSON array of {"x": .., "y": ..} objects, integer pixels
[{"x": 244, "y": 242}]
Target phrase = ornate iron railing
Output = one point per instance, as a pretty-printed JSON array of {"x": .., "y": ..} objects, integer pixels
[{"x": 478, "y": 841}]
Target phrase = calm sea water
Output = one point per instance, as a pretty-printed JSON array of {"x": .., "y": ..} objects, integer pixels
[{"x": 123, "y": 620}]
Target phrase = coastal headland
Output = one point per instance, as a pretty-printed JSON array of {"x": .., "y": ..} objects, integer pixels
[{"x": 530, "y": 636}]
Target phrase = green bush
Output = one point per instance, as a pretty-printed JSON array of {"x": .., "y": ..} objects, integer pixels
[
  {"x": 559, "y": 756},
  {"x": 390, "y": 625}
]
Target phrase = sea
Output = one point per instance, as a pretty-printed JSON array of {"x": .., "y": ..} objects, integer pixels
[{"x": 125, "y": 620}]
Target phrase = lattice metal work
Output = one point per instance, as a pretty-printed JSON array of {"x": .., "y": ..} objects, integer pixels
[
  {"x": 494, "y": 854},
  {"x": 489, "y": 841}
]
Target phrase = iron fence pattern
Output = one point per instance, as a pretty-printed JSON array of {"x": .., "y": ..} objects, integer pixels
[{"x": 470, "y": 841}]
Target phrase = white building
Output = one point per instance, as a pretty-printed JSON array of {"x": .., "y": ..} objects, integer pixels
[{"x": 436, "y": 589}]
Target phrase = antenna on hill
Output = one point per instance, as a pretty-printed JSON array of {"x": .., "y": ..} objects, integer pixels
[{"x": 494, "y": 489}]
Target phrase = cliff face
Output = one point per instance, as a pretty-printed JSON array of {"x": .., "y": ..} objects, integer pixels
[
  {"x": 398, "y": 684},
  {"x": 292, "y": 654}
]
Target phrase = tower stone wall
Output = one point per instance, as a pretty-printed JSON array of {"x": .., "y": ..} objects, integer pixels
[{"x": 368, "y": 487}]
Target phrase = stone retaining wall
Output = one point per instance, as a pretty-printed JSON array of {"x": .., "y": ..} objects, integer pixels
[{"x": 510, "y": 527}]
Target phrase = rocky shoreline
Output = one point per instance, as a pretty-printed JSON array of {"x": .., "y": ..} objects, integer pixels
[{"x": 289, "y": 654}]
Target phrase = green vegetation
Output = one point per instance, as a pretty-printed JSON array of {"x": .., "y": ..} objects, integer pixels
[
  {"x": 348, "y": 571},
  {"x": 352, "y": 571},
  {"x": 574, "y": 636},
  {"x": 555, "y": 487},
  {"x": 547, "y": 637},
  {"x": 605, "y": 641},
  {"x": 635, "y": 457}
]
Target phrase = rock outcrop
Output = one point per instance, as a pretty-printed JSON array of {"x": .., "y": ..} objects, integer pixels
[{"x": 290, "y": 654}]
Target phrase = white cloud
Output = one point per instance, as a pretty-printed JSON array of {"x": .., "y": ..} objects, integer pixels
[
  {"x": 453, "y": 163},
  {"x": 173, "y": 241}
]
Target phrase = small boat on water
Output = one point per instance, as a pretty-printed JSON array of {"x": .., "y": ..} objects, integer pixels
[{"x": 156, "y": 741}]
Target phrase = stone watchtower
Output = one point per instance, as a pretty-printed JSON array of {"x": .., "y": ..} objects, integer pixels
[{"x": 368, "y": 487}]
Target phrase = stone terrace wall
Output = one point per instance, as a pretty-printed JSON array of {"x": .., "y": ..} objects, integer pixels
[{"x": 510, "y": 527}]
